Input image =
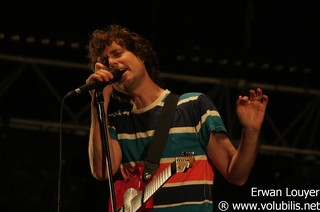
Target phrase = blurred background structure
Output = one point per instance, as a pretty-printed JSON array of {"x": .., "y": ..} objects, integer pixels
[{"x": 222, "y": 48}]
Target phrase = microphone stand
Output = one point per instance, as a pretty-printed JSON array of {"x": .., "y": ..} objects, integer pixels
[{"x": 106, "y": 151}]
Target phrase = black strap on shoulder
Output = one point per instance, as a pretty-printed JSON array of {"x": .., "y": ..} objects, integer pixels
[{"x": 160, "y": 138}]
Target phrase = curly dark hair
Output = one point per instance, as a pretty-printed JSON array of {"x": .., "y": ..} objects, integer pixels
[{"x": 131, "y": 41}]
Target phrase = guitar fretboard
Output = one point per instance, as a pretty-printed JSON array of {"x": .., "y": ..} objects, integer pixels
[{"x": 152, "y": 187}]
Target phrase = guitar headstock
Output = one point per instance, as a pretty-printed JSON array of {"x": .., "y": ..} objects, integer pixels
[{"x": 184, "y": 162}]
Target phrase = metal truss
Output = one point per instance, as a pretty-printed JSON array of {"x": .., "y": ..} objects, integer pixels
[{"x": 32, "y": 92}]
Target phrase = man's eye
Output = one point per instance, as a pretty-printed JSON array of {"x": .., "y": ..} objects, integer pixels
[{"x": 117, "y": 54}]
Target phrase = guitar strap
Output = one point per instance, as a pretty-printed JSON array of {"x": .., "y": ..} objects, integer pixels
[{"x": 152, "y": 162}]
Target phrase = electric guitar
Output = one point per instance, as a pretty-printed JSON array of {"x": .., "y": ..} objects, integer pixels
[{"x": 134, "y": 200}]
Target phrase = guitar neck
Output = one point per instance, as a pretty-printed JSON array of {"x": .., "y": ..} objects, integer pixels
[{"x": 153, "y": 186}]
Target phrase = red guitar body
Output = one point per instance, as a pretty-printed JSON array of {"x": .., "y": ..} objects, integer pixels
[
  {"x": 135, "y": 182},
  {"x": 134, "y": 194}
]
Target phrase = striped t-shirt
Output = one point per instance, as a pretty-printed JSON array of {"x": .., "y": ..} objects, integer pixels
[{"x": 195, "y": 118}]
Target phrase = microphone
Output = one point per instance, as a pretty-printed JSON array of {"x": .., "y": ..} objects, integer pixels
[{"x": 117, "y": 74}]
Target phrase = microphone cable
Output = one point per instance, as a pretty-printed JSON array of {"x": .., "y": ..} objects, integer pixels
[{"x": 60, "y": 156}]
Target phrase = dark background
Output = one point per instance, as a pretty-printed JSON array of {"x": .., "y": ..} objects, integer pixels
[{"x": 275, "y": 43}]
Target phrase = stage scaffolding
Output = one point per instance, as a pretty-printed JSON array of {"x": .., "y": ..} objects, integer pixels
[{"x": 291, "y": 124}]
